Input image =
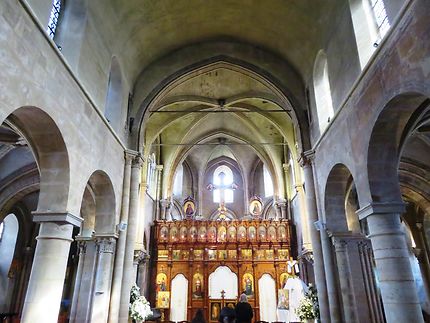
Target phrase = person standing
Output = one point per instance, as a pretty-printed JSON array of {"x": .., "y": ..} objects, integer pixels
[
  {"x": 243, "y": 310},
  {"x": 199, "y": 318}
]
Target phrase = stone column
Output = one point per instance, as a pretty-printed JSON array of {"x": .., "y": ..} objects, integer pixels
[
  {"x": 311, "y": 207},
  {"x": 82, "y": 247},
  {"x": 120, "y": 248},
  {"x": 103, "y": 277},
  {"x": 307, "y": 245},
  {"x": 129, "y": 276},
  {"x": 346, "y": 287},
  {"x": 84, "y": 284},
  {"x": 45, "y": 288},
  {"x": 396, "y": 281},
  {"x": 330, "y": 275}
]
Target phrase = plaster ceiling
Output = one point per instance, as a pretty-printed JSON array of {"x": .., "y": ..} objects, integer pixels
[{"x": 142, "y": 31}]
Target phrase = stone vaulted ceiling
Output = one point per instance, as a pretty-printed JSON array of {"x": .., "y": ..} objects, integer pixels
[{"x": 145, "y": 30}]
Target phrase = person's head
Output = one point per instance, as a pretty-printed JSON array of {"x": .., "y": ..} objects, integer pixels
[
  {"x": 199, "y": 314},
  {"x": 243, "y": 298},
  {"x": 227, "y": 315}
]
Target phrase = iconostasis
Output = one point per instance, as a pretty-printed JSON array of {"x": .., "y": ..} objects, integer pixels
[{"x": 208, "y": 264}]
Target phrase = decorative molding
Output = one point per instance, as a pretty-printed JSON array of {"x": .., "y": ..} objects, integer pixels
[
  {"x": 66, "y": 218},
  {"x": 381, "y": 208}
]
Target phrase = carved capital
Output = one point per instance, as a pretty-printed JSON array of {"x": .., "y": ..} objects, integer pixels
[
  {"x": 159, "y": 168},
  {"x": 105, "y": 244},
  {"x": 339, "y": 244},
  {"x": 140, "y": 256},
  {"x": 306, "y": 158},
  {"x": 137, "y": 161}
]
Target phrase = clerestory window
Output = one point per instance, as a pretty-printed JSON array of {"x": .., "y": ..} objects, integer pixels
[{"x": 54, "y": 17}]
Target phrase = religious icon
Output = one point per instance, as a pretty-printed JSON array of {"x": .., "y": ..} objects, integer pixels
[
  {"x": 215, "y": 311},
  {"x": 183, "y": 233},
  {"x": 260, "y": 255},
  {"x": 173, "y": 234},
  {"x": 283, "y": 299},
  {"x": 163, "y": 254},
  {"x": 163, "y": 299},
  {"x": 212, "y": 234},
  {"x": 269, "y": 255},
  {"x": 231, "y": 233},
  {"x": 189, "y": 207},
  {"x": 246, "y": 254},
  {"x": 262, "y": 232},
  {"x": 222, "y": 233},
  {"x": 255, "y": 206},
  {"x": 163, "y": 233},
  {"x": 222, "y": 254},
  {"x": 198, "y": 285},
  {"x": 202, "y": 234},
  {"x": 212, "y": 254},
  {"x": 185, "y": 254},
  {"x": 248, "y": 284},
  {"x": 232, "y": 254},
  {"x": 283, "y": 254},
  {"x": 252, "y": 233},
  {"x": 282, "y": 233},
  {"x": 176, "y": 254},
  {"x": 198, "y": 254},
  {"x": 192, "y": 234},
  {"x": 241, "y": 233},
  {"x": 283, "y": 279},
  {"x": 271, "y": 233},
  {"x": 161, "y": 282}
]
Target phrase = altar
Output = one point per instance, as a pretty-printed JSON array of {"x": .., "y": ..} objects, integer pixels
[{"x": 208, "y": 264}]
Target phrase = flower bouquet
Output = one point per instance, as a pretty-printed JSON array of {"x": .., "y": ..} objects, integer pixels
[{"x": 139, "y": 309}]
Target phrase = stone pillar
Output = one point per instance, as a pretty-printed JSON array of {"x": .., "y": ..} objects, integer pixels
[
  {"x": 103, "y": 277},
  {"x": 84, "y": 284},
  {"x": 396, "y": 281},
  {"x": 45, "y": 288},
  {"x": 346, "y": 287},
  {"x": 82, "y": 247},
  {"x": 330, "y": 275},
  {"x": 142, "y": 273},
  {"x": 120, "y": 248},
  {"x": 129, "y": 275},
  {"x": 305, "y": 163},
  {"x": 307, "y": 245}
]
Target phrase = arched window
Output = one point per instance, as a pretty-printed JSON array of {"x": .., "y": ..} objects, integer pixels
[
  {"x": 268, "y": 183},
  {"x": 53, "y": 18},
  {"x": 322, "y": 90},
  {"x": 179, "y": 180},
  {"x": 114, "y": 97},
  {"x": 223, "y": 177},
  {"x": 371, "y": 23},
  {"x": 150, "y": 174}
]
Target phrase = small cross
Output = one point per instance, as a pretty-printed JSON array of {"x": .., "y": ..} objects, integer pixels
[{"x": 223, "y": 294}]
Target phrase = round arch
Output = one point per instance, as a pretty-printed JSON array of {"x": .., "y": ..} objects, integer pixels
[{"x": 51, "y": 155}]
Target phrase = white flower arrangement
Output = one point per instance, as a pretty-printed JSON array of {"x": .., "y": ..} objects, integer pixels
[
  {"x": 139, "y": 309},
  {"x": 305, "y": 311}
]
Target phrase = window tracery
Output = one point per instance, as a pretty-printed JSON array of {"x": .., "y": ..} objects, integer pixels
[{"x": 54, "y": 17}]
